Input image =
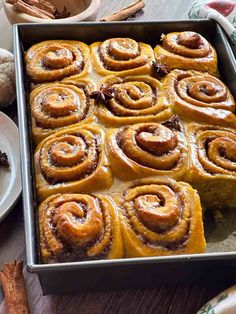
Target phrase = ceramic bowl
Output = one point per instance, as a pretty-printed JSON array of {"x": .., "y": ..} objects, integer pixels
[{"x": 81, "y": 10}]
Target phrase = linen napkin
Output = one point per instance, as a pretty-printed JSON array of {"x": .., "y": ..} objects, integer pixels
[
  {"x": 222, "y": 11},
  {"x": 223, "y": 303}
]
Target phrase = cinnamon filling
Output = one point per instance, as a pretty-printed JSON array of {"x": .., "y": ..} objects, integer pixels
[
  {"x": 158, "y": 215},
  {"x": 123, "y": 49},
  {"x": 80, "y": 226},
  {"x": 133, "y": 98},
  {"x": 158, "y": 141},
  {"x": 189, "y": 40},
  {"x": 58, "y": 104},
  {"x": 71, "y": 157},
  {"x": 118, "y": 54},
  {"x": 217, "y": 152},
  {"x": 150, "y": 145},
  {"x": 58, "y": 59},
  {"x": 154, "y": 211},
  {"x": 209, "y": 88}
]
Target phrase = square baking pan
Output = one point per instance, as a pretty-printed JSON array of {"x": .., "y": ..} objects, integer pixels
[{"x": 134, "y": 272}]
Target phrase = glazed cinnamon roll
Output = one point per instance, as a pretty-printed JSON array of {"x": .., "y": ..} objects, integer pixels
[
  {"x": 212, "y": 164},
  {"x": 198, "y": 96},
  {"x": 53, "y": 60},
  {"x": 76, "y": 227},
  {"x": 147, "y": 149},
  {"x": 187, "y": 51},
  {"x": 136, "y": 99},
  {"x": 121, "y": 56},
  {"x": 57, "y": 105},
  {"x": 161, "y": 217},
  {"x": 72, "y": 160}
]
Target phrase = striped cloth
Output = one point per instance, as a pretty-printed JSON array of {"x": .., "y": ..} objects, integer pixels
[
  {"x": 223, "y": 303},
  {"x": 222, "y": 11}
]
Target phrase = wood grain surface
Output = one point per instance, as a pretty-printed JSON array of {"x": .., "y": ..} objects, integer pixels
[{"x": 175, "y": 299}]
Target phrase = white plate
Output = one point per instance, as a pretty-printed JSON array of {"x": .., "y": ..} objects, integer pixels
[{"x": 10, "y": 179}]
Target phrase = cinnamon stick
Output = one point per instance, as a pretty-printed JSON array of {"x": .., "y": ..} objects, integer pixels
[
  {"x": 43, "y": 11},
  {"x": 23, "y": 7},
  {"x": 12, "y": 280},
  {"x": 39, "y": 8},
  {"x": 125, "y": 12},
  {"x": 33, "y": 2},
  {"x": 46, "y": 6}
]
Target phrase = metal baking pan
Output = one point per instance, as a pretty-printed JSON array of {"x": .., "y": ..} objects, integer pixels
[
  {"x": 103, "y": 274},
  {"x": 233, "y": 47}
]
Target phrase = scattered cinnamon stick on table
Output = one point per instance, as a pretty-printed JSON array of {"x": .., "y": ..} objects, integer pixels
[
  {"x": 13, "y": 284},
  {"x": 126, "y": 12}
]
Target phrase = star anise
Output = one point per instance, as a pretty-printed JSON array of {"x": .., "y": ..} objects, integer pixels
[
  {"x": 103, "y": 95},
  {"x": 160, "y": 69},
  {"x": 4, "y": 160},
  {"x": 173, "y": 123},
  {"x": 63, "y": 14}
]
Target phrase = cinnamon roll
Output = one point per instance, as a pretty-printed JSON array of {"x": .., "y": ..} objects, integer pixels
[
  {"x": 72, "y": 160},
  {"x": 76, "y": 227},
  {"x": 161, "y": 217},
  {"x": 187, "y": 51},
  {"x": 212, "y": 164},
  {"x": 57, "y": 105},
  {"x": 121, "y": 56},
  {"x": 147, "y": 149},
  {"x": 136, "y": 99},
  {"x": 53, "y": 60},
  {"x": 198, "y": 96}
]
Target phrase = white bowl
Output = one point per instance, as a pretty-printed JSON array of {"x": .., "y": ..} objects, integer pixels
[{"x": 81, "y": 10}]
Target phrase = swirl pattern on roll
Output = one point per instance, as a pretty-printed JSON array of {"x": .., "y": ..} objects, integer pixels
[
  {"x": 55, "y": 59},
  {"x": 72, "y": 160},
  {"x": 146, "y": 149},
  {"x": 212, "y": 164},
  {"x": 136, "y": 99},
  {"x": 57, "y": 105},
  {"x": 216, "y": 149},
  {"x": 200, "y": 97},
  {"x": 161, "y": 217},
  {"x": 187, "y": 50},
  {"x": 75, "y": 227},
  {"x": 121, "y": 55}
]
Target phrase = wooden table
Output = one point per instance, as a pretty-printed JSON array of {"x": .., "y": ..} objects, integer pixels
[{"x": 174, "y": 299}]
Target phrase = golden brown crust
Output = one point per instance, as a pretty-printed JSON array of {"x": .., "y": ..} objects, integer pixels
[
  {"x": 187, "y": 51},
  {"x": 58, "y": 105},
  {"x": 212, "y": 170},
  {"x": 136, "y": 99},
  {"x": 53, "y": 60},
  {"x": 146, "y": 149},
  {"x": 198, "y": 96},
  {"x": 158, "y": 215},
  {"x": 161, "y": 217},
  {"x": 75, "y": 227},
  {"x": 72, "y": 160},
  {"x": 122, "y": 56}
]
